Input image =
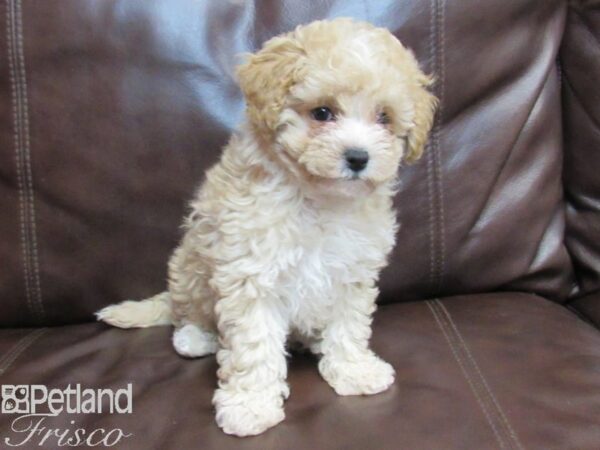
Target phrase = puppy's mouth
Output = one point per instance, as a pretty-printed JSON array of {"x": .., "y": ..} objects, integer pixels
[
  {"x": 340, "y": 174},
  {"x": 357, "y": 177},
  {"x": 354, "y": 186}
]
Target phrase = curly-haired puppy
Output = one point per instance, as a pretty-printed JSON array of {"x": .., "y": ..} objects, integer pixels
[{"x": 289, "y": 231}]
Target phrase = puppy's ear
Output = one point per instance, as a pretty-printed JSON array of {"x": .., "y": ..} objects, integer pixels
[
  {"x": 424, "y": 105},
  {"x": 266, "y": 78}
]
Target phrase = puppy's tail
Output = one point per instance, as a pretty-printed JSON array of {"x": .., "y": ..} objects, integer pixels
[{"x": 151, "y": 312}]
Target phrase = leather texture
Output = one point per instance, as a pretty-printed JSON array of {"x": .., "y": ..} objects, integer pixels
[
  {"x": 580, "y": 62},
  {"x": 497, "y": 371},
  {"x": 112, "y": 111},
  {"x": 589, "y": 306}
]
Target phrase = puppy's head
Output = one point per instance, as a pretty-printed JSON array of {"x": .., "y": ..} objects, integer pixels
[{"x": 341, "y": 102}]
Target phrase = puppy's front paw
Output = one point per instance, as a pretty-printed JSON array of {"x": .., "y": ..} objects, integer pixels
[
  {"x": 248, "y": 413},
  {"x": 365, "y": 375}
]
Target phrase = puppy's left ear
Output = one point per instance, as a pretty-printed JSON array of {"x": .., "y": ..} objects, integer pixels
[
  {"x": 425, "y": 104},
  {"x": 266, "y": 78}
]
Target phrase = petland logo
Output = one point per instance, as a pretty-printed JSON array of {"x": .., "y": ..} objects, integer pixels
[{"x": 37, "y": 405}]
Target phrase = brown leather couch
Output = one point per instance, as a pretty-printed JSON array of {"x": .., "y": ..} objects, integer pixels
[{"x": 110, "y": 113}]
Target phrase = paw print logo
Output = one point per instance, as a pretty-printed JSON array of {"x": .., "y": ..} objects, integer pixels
[{"x": 15, "y": 399}]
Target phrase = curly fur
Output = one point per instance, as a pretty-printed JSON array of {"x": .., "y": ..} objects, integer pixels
[{"x": 283, "y": 241}]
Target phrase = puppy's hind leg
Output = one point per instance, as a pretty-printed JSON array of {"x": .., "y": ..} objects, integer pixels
[
  {"x": 191, "y": 304},
  {"x": 192, "y": 341}
]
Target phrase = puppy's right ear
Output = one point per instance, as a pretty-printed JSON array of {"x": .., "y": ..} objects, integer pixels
[{"x": 266, "y": 78}]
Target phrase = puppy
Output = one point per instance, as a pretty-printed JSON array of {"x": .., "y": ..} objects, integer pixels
[{"x": 289, "y": 231}]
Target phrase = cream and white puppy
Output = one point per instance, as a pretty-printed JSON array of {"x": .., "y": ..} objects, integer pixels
[{"x": 289, "y": 231}]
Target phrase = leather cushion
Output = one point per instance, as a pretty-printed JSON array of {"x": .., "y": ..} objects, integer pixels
[
  {"x": 509, "y": 371},
  {"x": 589, "y": 306},
  {"x": 110, "y": 112}
]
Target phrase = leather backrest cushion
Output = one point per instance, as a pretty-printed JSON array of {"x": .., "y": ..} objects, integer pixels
[
  {"x": 111, "y": 111},
  {"x": 580, "y": 63}
]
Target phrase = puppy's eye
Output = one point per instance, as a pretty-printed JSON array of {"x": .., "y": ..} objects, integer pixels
[
  {"x": 383, "y": 118},
  {"x": 322, "y": 114}
]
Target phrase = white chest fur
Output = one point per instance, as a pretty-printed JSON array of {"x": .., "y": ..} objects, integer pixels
[{"x": 334, "y": 248}]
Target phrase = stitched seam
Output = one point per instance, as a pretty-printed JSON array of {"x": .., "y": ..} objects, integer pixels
[
  {"x": 476, "y": 381},
  {"x": 20, "y": 107},
  {"x": 465, "y": 372},
  {"x": 432, "y": 246},
  {"x": 471, "y": 358},
  {"x": 461, "y": 363},
  {"x": 14, "y": 349},
  {"x": 11, "y": 356},
  {"x": 434, "y": 169},
  {"x": 438, "y": 156},
  {"x": 29, "y": 171},
  {"x": 16, "y": 101},
  {"x": 430, "y": 185}
]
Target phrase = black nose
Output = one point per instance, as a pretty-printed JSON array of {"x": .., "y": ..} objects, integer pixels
[{"x": 356, "y": 159}]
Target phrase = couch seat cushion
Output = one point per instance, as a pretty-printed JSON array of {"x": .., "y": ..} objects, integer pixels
[{"x": 506, "y": 371}]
